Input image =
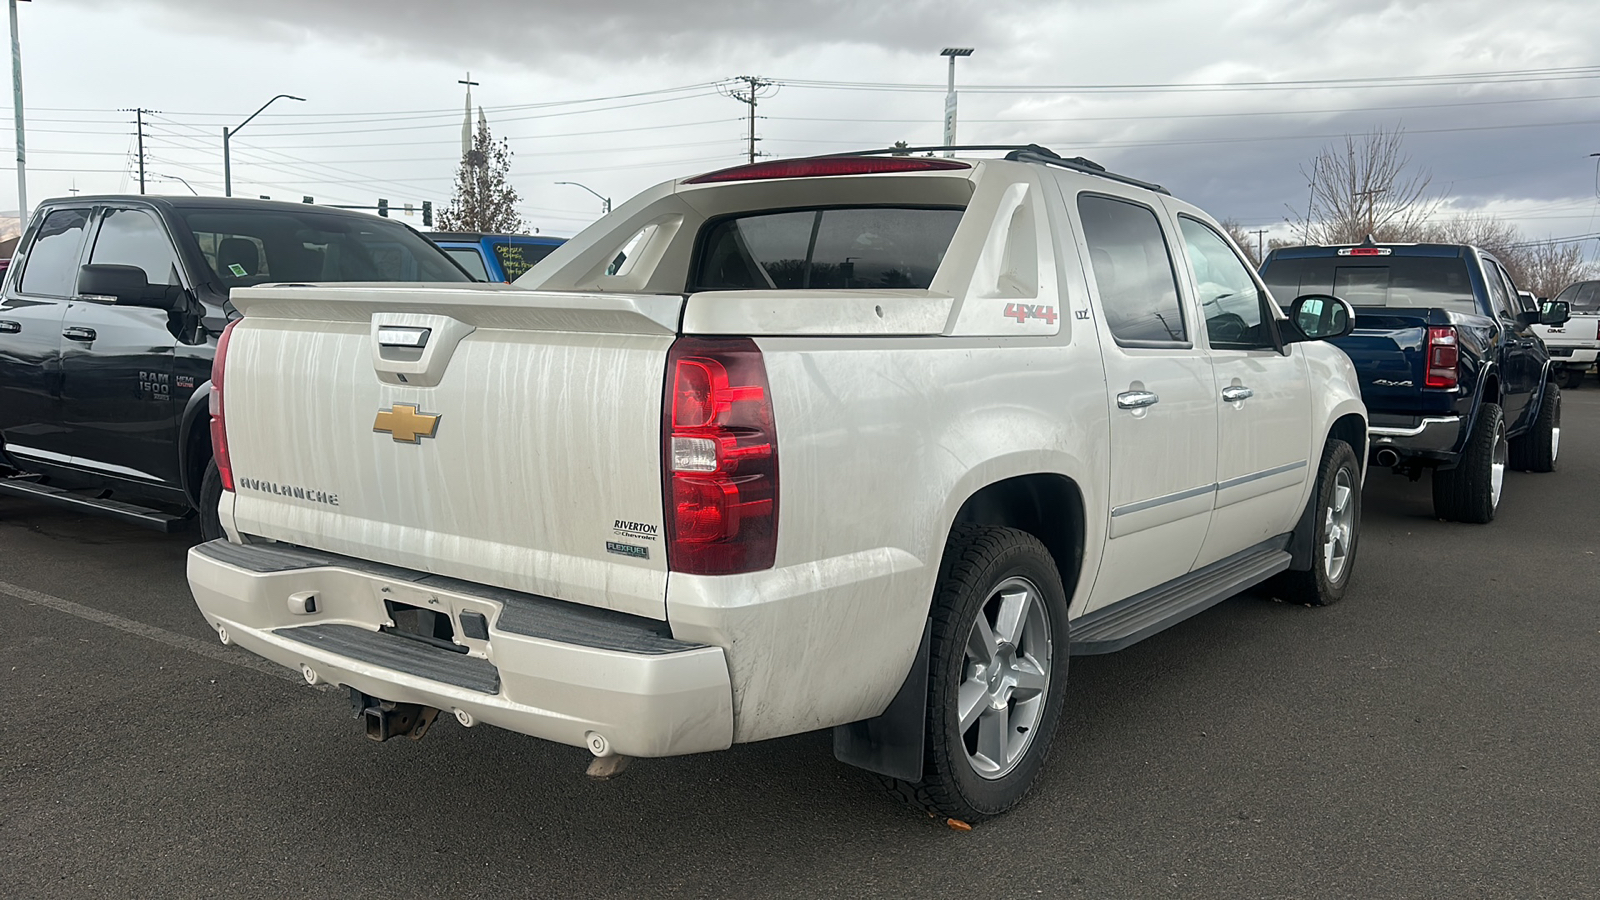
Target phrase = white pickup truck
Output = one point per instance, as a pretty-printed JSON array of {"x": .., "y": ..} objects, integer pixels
[
  {"x": 871, "y": 443},
  {"x": 1575, "y": 346}
]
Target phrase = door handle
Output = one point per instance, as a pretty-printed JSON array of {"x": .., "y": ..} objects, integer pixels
[
  {"x": 78, "y": 333},
  {"x": 1236, "y": 393},
  {"x": 1136, "y": 399},
  {"x": 9, "y": 327}
]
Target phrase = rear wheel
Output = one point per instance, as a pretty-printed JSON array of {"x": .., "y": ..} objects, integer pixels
[
  {"x": 1471, "y": 491},
  {"x": 997, "y": 671},
  {"x": 1536, "y": 451},
  {"x": 210, "y": 499},
  {"x": 1571, "y": 377},
  {"x": 1336, "y": 527}
]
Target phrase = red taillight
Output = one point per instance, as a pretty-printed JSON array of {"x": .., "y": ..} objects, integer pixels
[
  {"x": 219, "y": 431},
  {"x": 1368, "y": 251},
  {"x": 720, "y": 458},
  {"x": 1444, "y": 358},
  {"x": 828, "y": 165}
]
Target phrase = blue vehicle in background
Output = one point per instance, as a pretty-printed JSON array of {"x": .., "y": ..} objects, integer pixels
[
  {"x": 494, "y": 257},
  {"x": 1454, "y": 378}
]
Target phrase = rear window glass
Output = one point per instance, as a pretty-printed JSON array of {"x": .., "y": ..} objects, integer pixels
[
  {"x": 519, "y": 258},
  {"x": 471, "y": 260},
  {"x": 246, "y": 247},
  {"x": 1405, "y": 282},
  {"x": 876, "y": 247},
  {"x": 1583, "y": 296}
]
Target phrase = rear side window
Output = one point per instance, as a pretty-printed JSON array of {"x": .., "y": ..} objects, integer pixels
[
  {"x": 1583, "y": 296},
  {"x": 876, "y": 247},
  {"x": 246, "y": 247},
  {"x": 519, "y": 258},
  {"x": 51, "y": 267},
  {"x": 1133, "y": 271},
  {"x": 1399, "y": 282}
]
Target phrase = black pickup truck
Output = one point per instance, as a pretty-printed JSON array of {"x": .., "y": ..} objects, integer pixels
[
  {"x": 109, "y": 318},
  {"x": 1453, "y": 375}
]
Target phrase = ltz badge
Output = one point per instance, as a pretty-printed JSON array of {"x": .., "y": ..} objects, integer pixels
[{"x": 405, "y": 424}]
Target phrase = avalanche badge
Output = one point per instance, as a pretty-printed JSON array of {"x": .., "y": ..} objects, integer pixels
[{"x": 405, "y": 423}]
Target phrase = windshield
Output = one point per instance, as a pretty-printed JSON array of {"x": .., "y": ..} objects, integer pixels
[
  {"x": 470, "y": 259},
  {"x": 876, "y": 247},
  {"x": 255, "y": 246},
  {"x": 1404, "y": 282},
  {"x": 1583, "y": 296}
]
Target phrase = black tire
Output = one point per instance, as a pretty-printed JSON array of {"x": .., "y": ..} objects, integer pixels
[
  {"x": 1336, "y": 527},
  {"x": 1536, "y": 451},
  {"x": 1468, "y": 493},
  {"x": 1571, "y": 377},
  {"x": 978, "y": 561},
  {"x": 210, "y": 497}
]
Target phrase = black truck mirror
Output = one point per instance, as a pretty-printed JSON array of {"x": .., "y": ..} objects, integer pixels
[
  {"x": 1555, "y": 312},
  {"x": 126, "y": 286}
]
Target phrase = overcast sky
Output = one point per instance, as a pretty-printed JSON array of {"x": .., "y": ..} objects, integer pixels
[{"x": 382, "y": 115}]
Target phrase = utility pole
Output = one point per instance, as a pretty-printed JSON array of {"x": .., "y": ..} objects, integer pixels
[
  {"x": 139, "y": 122},
  {"x": 1261, "y": 246},
  {"x": 754, "y": 89},
  {"x": 1311, "y": 196},
  {"x": 953, "y": 53},
  {"x": 16, "y": 106}
]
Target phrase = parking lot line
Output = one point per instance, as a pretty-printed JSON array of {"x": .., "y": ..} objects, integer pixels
[{"x": 229, "y": 655}]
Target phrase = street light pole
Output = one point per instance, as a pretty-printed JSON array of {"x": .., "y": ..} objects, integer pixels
[
  {"x": 16, "y": 105},
  {"x": 603, "y": 199},
  {"x": 227, "y": 162},
  {"x": 950, "y": 96}
]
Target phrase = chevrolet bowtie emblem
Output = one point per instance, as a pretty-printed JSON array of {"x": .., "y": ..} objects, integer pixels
[{"x": 405, "y": 423}]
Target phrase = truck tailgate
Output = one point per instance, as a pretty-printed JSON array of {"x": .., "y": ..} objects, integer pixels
[
  {"x": 1389, "y": 354},
  {"x": 518, "y": 446}
]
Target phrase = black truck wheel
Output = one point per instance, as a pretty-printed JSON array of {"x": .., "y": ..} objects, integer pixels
[
  {"x": 1336, "y": 527},
  {"x": 210, "y": 497},
  {"x": 1470, "y": 492},
  {"x": 1571, "y": 377},
  {"x": 1536, "y": 450},
  {"x": 997, "y": 671}
]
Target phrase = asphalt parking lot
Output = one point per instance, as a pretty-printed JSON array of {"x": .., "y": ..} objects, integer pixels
[{"x": 1435, "y": 735}]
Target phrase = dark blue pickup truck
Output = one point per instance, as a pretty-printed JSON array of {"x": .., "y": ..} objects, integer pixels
[{"x": 1454, "y": 378}]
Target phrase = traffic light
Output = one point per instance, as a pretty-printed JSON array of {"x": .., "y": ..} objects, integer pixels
[
  {"x": 427, "y": 214},
  {"x": 383, "y": 208}
]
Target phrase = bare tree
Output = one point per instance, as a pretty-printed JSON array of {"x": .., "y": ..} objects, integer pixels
[
  {"x": 1547, "y": 267},
  {"x": 484, "y": 200},
  {"x": 1364, "y": 187},
  {"x": 1245, "y": 239}
]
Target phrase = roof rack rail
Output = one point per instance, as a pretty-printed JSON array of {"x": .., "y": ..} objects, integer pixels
[{"x": 1021, "y": 153}]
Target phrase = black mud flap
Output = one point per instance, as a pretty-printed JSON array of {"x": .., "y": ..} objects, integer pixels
[
  {"x": 891, "y": 743},
  {"x": 1302, "y": 541}
]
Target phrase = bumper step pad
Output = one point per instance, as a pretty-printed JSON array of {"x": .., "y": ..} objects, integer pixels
[{"x": 399, "y": 654}]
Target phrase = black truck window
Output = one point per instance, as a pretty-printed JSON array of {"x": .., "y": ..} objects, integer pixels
[
  {"x": 51, "y": 267},
  {"x": 850, "y": 248},
  {"x": 1133, "y": 270},
  {"x": 1396, "y": 282},
  {"x": 133, "y": 237}
]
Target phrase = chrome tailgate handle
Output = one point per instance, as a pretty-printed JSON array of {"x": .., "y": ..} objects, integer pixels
[{"x": 1137, "y": 399}]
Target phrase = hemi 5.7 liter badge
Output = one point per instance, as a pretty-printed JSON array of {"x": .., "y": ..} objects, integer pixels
[{"x": 405, "y": 424}]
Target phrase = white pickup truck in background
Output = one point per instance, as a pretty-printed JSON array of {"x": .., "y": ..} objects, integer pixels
[
  {"x": 1575, "y": 346},
  {"x": 871, "y": 443}
]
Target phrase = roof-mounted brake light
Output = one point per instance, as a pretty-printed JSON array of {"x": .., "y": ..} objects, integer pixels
[
  {"x": 1364, "y": 251},
  {"x": 826, "y": 166}
]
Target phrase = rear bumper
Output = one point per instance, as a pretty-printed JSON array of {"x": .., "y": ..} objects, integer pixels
[
  {"x": 1573, "y": 356},
  {"x": 544, "y": 668},
  {"x": 1433, "y": 437}
]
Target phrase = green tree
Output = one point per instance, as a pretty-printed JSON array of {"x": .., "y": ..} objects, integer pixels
[{"x": 484, "y": 199}]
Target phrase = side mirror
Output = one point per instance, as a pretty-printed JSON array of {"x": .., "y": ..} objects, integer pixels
[
  {"x": 126, "y": 286},
  {"x": 1320, "y": 317},
  {"x": 1555, "y": 312}
]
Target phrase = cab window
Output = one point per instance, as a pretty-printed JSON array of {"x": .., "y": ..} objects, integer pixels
[
  {"x": 133, "y": 237},
  {"x": 1229, "y": 299},
  {"x": 813, "y": 249},
  {"x": 1133, "y": 272},
  {"x": 51, "y": 266}
]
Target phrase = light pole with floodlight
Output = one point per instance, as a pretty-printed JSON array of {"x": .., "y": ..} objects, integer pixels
[
  {"x": 603, "y": 199},
  {"x": 227, "y": 162},
  {"x": 950, "y": 96}
]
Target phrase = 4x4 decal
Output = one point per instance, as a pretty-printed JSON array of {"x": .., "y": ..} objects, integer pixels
[{"x": 1022, "y": 312}]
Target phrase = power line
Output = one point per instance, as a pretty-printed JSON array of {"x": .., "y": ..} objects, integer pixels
[{"x": 755, "y": 89}]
